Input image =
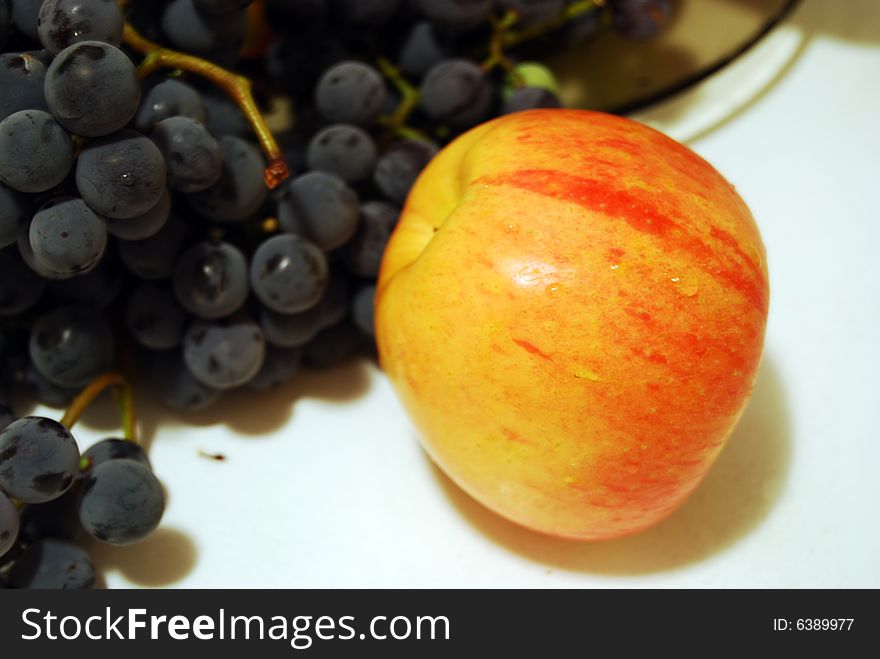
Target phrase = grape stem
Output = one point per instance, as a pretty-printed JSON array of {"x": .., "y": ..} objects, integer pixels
[
  {"x": 497, "y": 57},
  {"x": 124, "y": 400},
  {"x": 409, "y": 101},
  {"x": 238, "y": 87},
  {"x": 510, "y": 38}
]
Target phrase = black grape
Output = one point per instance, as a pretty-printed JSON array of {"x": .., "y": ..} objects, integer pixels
[
  {"x": 211, "y": 279},
  {"x": 61, "y": 23},
  {"x": 53, "y": 565},
  {"x": 24, "y": 15},
  {"x": 363, "y": 254},
  {"x": 22, "y": 76},
  {"x": 175, "y": 385},
  {"x": 155, "y": 318},
  {"x": 320, "y": 207},
  {"x": 400, "y": 165},
  {"x": 39, "y": 459},
  {"x": 362, "y": 309},
  {"x": 456, "y": 92},
  {"x": 169, "y": 98},
  {"x": 71, "y": 345},
  {"x": 155, "y": 257},
  {"x": 530, "y": 98},
  {"x": 8, "y": 523},
  {"x": 241, "y": 188},
  {"x": 20, "y": 287},
  {"x": 13, "y": 210},
  {"x": 193, "y": 157},
  {"x": 456, "y": 15},
  {"x": 67, "y": 236},
  {"x": 56, "y": 519},
  {"x": 343, "y": 150},
  {"x": 288, "y": 274},
  {"x": 36, "y": 153},
  {"x": 291, "y": 330},
  {"x": 46, "y": 392},
  {"x": 201, "y": 33},
  {"x": 141, "y": 227},
  {"x": 223, "y": 116},
  {"x": 640, "y": 19},
  {"x": 351, "y": 92},
  {"x": 421, "y": 50},
  {"x": 122, "y": 502},
  {"x": 279, "y": 367},
  {"x": 98, "y": 288},
  {"x": 92, "y": 88},
  {"x": 122, "y": 175},
  {"x": 115, "y": 449},
  {"x": 224, "y": 354}
]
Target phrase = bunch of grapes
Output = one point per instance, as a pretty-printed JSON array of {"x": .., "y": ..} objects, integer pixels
[{"x": 147, "y": 219}]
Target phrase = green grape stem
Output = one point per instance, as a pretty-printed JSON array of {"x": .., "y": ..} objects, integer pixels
[{"x": 124, "y": 400}]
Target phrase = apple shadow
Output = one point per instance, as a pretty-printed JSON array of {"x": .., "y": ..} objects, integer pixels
[
  {"x": 737, "y": 494},
  {"x": 163, "y": 559}
]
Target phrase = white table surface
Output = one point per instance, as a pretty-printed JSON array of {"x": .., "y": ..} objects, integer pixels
[{"x": 325, "y": 486}]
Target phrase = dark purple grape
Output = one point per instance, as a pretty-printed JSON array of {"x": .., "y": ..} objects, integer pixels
[
  {"x": 115, "y": 449},
  {"x": 362, "y": 310},
  {"x": 456, "y": 92},
  {"x": 343, "y": 150},
  {"x": 53, "y": 565},
  {"x": 288, "y": 274},
  {"x": 640, "y": 20},
  {"x": 39, "y": 459},
  {"x": 67, "y": 237},
  {"x": 22, "y": 76},
  {"x": 241, "y": 188},
  {"x": 456, "y": 15},
  {"x": 46, "y": 392},
  {"x": 201, "y": 33},
  {"x": 175, "y": 385},
  {"x": 279, "y": 367},
  {"x": 351, "y": 92},
  {"x": 36, "y": 153},
  {"x": 155, "y": 318},
  {"x": 224, "y": 354},
  {"x": 98, "y": 288},
  {"x": 141, "y": 227},
  {"x": 169, "y": 98},
  {"x": 24, "y": 16},
  {"x": 155, "y": 257},
  {"x": 400, "y": 165},
  {"x": 193, "y": 157},
  {"x": 530, "y": 98},
  {"x": 20, "y": 287},
  {"x": 363, "y": 254},
  {"x": 319, "y": 207},
  {"x": 58, "y": 519},
  {"x": 61, "y": 23},
  {"x": 291, "y": 330},
  {"x": 421, "y": 50},
  {"x": 211, "y": 279},
  {"x": 72, "y": 345}
]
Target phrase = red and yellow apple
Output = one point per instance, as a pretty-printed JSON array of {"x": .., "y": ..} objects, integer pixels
[{"x": 572, "y": 311}]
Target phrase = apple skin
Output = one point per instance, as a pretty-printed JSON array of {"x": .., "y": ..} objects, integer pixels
[{"x": 572, "y": 311}]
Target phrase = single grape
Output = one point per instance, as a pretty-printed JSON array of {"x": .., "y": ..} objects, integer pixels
[
  {"x": 223, "y": 116},
  {"x": 22, "y": 76},
  {"x": 67, "y": 236},
  {"x": 53, "y": 565},
  {"x": 400, "y": 165},
  {"x": 122, "y": 502},
  {"x": 166, "y": 98},
  {"x": 319, "y": 207},
  {"x": 8, "y": 523},
  {"x": 39, "y": 459},
  {"x": 61, "y": 23},
  {"x": 363, "y": 254},
  {"x": 92, "y": 88},
  {"x": 24, "y": 15},
  {"x": 211, "y": 279},
  {"x": 155, "y": 318},
  {"x": 71, "y": 345},
  {"x": 291, "y": 330},
  {"x": 155, "y": 257},
  {"x": 98, "y": 288},
  {"x": 23, "y": 240},
  {"x": 141, "y": 227},
  {"x": 115, "y": 449},
  {"x": 530, "y": 98},
  {"x": 193, "y": 156},
  {"x": 224, "y": 354},
  {"x": 20, "y": 286},
  {"x": 288, "y": 274},
  {"x": 58, "y": 519},
  {"x": 241, "y": 188},
  {"x": 640, "y": 20},
  {"x": 278, "y": 369},
  {"x": 333, "y": 345},
  {"x": 533, "y": 12},
  {"x": 36, "y": 153},
  {"x": 121, "y": 176},
  {"x": 343, "y": 150},
  {"x": 351, "y": 92},
  {"x": 46, "y": 392},
  {"x": 456, "y": 15},
  {"x": 202, "y": 33},
  {"x": 456, "y": 92},
  {"x": 175, "y": 385},
  {"x": 362, "y": 309},
  {"x": 421, "y": 50},
  {"x": 13, "y": 210}
]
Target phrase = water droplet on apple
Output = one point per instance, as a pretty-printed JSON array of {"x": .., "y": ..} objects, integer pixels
[{"x": 687, "y": 286}]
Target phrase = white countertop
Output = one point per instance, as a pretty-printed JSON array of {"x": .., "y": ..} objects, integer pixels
[{"x": 325, "y": 486}]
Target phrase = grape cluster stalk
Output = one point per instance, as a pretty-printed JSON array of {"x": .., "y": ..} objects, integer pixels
[{"x": 158, "y": 220}]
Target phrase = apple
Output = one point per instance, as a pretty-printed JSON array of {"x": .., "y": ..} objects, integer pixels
[{"x": 572, "y": 311}]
